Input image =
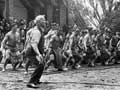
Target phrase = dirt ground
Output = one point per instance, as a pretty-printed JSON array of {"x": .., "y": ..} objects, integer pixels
[{"x": 98, "y": 78}]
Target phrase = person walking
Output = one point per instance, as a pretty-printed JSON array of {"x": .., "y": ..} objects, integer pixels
[{"x": 34, "y": 50}]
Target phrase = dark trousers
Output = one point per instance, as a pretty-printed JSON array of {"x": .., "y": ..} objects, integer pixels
[
  {"x": 36, "y": 75},
  {"x": 29, "y": 62},
  {"x": 58, "y": 58}
]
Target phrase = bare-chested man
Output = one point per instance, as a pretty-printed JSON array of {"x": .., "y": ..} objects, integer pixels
[{"x": 9, "y": 46}]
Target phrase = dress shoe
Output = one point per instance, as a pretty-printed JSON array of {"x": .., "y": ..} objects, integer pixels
[
  {"x": 32, "y": 85},
  {"x": 60, "y": 69}
]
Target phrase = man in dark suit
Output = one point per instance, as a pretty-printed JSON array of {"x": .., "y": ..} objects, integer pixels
[{"x": 34, "y": 50}]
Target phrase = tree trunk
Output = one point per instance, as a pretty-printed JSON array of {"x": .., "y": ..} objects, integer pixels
[{"x": 6, "y": 9}]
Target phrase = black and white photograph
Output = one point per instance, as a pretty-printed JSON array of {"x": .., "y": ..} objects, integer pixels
[{"x": 59, "y": 44}]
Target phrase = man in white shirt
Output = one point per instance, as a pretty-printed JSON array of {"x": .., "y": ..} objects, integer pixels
[{"x": 35, "y": 49}]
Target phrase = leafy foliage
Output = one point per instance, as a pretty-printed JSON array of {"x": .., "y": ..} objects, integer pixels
[{"x": 97, "y": 13}]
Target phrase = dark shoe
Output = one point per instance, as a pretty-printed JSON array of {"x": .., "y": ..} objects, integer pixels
[
  {"x": 60, "y": 69},
  {"x": 21, "y": 66},
  {"x": 91, "y": 65},
  {"x": 46, "y": 67},
  {"x": 32, "y": 85},
  {"x": 116, "y": 62},
  {"x": 14, "y": 69}
]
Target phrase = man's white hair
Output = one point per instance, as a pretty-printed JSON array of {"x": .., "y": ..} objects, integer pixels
[{"x": 39, "y": 18}]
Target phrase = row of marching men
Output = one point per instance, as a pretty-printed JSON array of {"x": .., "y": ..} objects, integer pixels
[
  {"x": 65, "y": 50},
  {"x": 81, "y": 47}
]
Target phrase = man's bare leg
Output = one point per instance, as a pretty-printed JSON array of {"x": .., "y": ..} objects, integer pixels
[
  {"x": 6, "y": 59},
  {"x": 5, "y": 64}
]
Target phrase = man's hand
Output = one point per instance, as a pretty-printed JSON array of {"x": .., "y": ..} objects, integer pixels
[
  {"x": 18, "y": 54},
  {"x": 1, "y": 49},
  {"x": 39, "y": 58},
  {"x": 21, "y": 53}
]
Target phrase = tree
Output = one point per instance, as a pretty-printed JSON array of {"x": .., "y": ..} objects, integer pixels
[
  {"x": 7, "y": 9},
  {"x": 76, "y": 15},
  {"x": 98, "y": 13}
]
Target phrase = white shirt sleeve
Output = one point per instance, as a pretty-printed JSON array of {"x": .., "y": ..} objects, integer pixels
[{"x": 35, "y": 36}]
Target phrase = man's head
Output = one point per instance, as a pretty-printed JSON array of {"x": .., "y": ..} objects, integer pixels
[
  {"x": 40, "y": 21},
  {"x": 14, "y": 27},
  {"x": 53, "y": 26},
  {"x": 117, "y": 34},
  {"x": 84, "y": 32}
]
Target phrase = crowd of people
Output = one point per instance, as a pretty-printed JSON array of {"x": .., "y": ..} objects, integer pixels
[{"x": 65, "y": 48}]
